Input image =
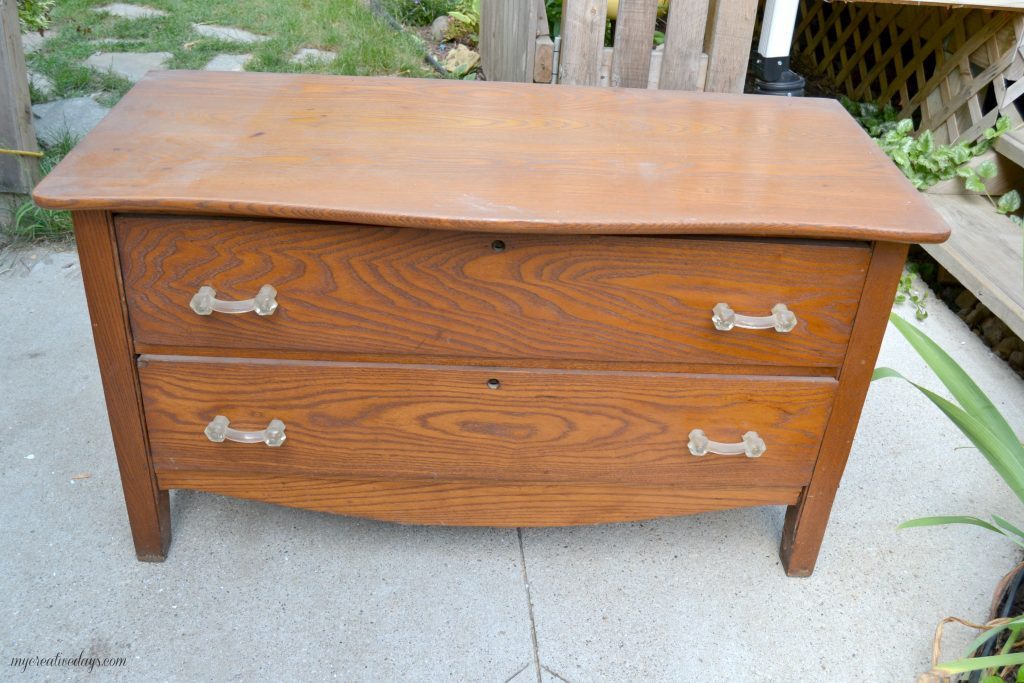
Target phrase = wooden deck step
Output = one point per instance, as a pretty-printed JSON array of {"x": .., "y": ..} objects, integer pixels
[{"x": 985, "y": 253}]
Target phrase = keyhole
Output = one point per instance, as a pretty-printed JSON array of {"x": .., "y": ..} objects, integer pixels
[
  {"x": 493, "y": 384},
  {"x": 498, "y": 245}
]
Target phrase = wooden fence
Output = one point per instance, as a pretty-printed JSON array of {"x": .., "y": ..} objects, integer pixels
[
  {"x": 707, "y": 44},
  {"x": 953, "y": 70}
]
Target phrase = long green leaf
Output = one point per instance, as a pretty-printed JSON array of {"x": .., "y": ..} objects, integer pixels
[
  {"x": 984, "y": 637},
  {"x": 977, "y": 663},
  {"x": 959, "y": 383},
  {"x": 1008, "y": 526},
  {"x": 948, "y": 519},
  {"x": 1007, "y": 461}
]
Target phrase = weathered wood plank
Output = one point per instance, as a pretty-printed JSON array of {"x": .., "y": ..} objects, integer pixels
[
  {"x": 683, "y": 56},
  {"x": 18, "y": 173},
  {"x": 583, "y": 23},
  {"x": 984, "y": 253},
  {"x": 508, "y": 38},
  {"x": 634, "y": 36},
  {"x": 728, "y": 42},
  {"x": 544, "y": 52}
]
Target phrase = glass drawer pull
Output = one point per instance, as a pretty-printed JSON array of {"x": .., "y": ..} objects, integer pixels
[
  {"x": 206, "y": 302},
  {"x": 782, "y": 319},
  {"x": 219, "y": 430},
  {"x": 752, "y": 445}
]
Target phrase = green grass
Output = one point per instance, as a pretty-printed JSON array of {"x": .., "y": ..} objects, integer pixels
[
  {"x": 29, "y": 223},
  {"x": 365, "y": 45}
]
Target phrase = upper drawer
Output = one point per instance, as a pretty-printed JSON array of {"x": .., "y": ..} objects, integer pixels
[{"x": 374, "y": 290}]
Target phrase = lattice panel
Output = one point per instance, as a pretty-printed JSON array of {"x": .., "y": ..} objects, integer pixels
[{"x": 952, "y": 70}]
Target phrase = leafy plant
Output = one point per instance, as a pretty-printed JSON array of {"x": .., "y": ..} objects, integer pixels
[
  {"x": 420, "y": 12},
  {"x": 907, "y": 293},
  {"x": 982, "y": 423},
  {"x": 922, "y": 160},
  {"x": 34, "y": 15},
  {"x": 29, "y": 222},
  {"x": 467, "y": 13}
]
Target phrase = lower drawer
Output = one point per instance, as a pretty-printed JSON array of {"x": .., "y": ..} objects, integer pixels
[{"x": 409, "y": 422}]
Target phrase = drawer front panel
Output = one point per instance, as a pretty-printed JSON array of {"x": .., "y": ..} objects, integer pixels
[
  {"x": 481, "y": 424},
  {"x": 373, "y": 291}
]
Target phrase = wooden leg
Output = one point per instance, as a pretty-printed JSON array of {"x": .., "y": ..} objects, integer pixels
[
  {"x": 148, "y": 506},
  {"x": 806, "y": 521}
]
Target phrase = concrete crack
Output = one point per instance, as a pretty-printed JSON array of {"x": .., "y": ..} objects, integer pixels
[{"x": 529, "y": 604}]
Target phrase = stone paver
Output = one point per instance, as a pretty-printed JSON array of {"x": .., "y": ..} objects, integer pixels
[
  {"x": 228, "y": 33},
  {"x": 228, "y": 63},
  {"x": 309, "y": 54},
  {"x": 77, "y": 115},
  {"x": 40, "y": 82},
  {"x": 30, "y": 42},
  {"x": 126, "y": 11},
  {"x": 130, "y": 65}
]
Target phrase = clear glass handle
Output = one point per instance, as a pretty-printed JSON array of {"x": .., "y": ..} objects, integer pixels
[
  {"x": 781, "y": 319},
  {"x": 751, "y": 446},
  {"x": 219, "y": 431},
  {"x": 206, "y": 302}
]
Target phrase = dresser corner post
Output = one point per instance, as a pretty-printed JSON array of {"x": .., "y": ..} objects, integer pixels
[
  {"x": 148, "y": 506},
  {"x": 804, "y": 527}
]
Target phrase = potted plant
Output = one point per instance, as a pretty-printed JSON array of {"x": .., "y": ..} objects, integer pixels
[{"x": 998, "y": 653}]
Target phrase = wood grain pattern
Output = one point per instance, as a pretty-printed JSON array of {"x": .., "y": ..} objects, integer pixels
[
  {"x": 402, "y": 291},
  {"x": 476, "y": 504},
  {"x": 730, "y": 28},
  {"x": 490, "y": 157},
  {"x": 18, "y": 174},
  {"x": 806, "y": 521},
  {"x": 984, "y": 253},
  {"x": 148, "y": 507},
  {"x": 684, "y": 45},
  {"x": 583, "y": 26},
  {"x": 445, "y": 423},
  {"x": 634, "y": 35},
  {"x": 508, "y": 36}
]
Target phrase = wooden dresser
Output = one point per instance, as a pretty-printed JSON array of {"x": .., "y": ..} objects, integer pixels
[{"x": 437, "y": 302}]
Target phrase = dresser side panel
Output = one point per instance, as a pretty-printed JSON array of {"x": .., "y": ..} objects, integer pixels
[
  {"x": 148, "y": 506},
  {"x": 805, "y": 523}
]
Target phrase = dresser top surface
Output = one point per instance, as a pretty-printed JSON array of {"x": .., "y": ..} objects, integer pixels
[{"x": 490, "y": 157}]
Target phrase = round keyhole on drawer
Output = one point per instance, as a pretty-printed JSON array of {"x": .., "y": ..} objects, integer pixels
[
  {"x": 493, "y": 384},
  {"x": 498, "y": 245}
]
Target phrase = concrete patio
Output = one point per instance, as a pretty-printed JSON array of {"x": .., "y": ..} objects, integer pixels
[{"x": 253, "y": 591}]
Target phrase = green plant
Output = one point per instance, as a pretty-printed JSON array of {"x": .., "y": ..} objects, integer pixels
[
  {"x": 419, "y": 12},
  {"x": 554, "y": 12},
  {"x": 34, "y": 15},
  {"x": 982, "y": 423},
  {"x": 922, "y": 160},
  {"x": 28, "y": 221},
  {"x": 465, "y": 21},
  {"x": 907, "y": 293}
]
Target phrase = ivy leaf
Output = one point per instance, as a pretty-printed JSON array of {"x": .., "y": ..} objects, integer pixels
[
  {"x": 974, "y": 184},
  {"x": 905, "y": 127},
  {"x": 1009, "y": 202},
  {"x": 987, "y": 169},
  {"x": 1017, "y": 219},
  {"x": 925, "y": 142}
]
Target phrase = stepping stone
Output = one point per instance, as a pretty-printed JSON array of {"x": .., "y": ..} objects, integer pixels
[
  {"x": 308, "y": 54},
  {"x": 130, "y": 65},
  {"x": 30, "y": 42},
  {"x": 228, "y": 33},
  {"x": 42, "y": 84},
  {"x": 77, "y": 115},
  {"x": 228, "y": 63},
  {"x": 125, "y": 11}
]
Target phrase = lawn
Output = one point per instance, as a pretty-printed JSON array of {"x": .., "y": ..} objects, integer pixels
[{"x": 365, "y": 45}]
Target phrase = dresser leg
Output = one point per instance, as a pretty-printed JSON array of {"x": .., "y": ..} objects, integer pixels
[
  {"x": 805, "y": 523},
  {"x": 148, "y": 506}
]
